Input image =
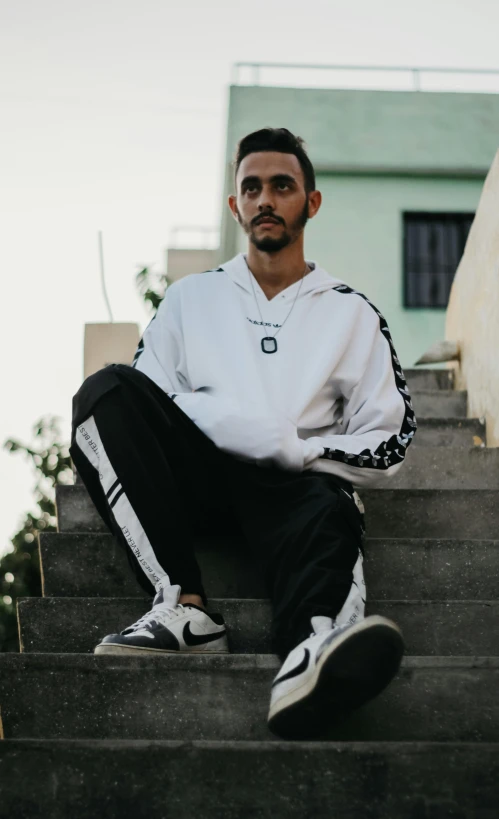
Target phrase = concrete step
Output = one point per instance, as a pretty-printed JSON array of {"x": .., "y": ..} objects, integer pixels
[
  {"x": 429, "y": 513},
  {"x": 429, "y": 379},
  {"x": 239, "y": 780},
  {"x": 440, "y": 403},
  {"x": 94, "y": 565},
  {"x": 446, "y": 468},
  {"x": 75, "y": 624},
  {"x": 452, "y": 432},
  {"x": 437, "y": 699}
]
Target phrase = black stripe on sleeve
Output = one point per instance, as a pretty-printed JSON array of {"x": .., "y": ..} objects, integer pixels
[
  {"x": 140, "y": 346},
  {"x": 138, "y": 352},
  {"x": 392, "y": 451}
]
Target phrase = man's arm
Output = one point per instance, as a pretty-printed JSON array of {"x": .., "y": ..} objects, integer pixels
[
  {"x": 159, "y": 352},
  {"x": 160, "y": 355},
  {"x": 249, "y": 434},
  {"x": 378, "y": 420}
]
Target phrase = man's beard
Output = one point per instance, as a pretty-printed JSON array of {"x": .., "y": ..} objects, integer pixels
[{"x": 267, "y": 244}]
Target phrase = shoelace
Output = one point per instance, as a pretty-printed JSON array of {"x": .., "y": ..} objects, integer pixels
[{"x": 156, "y": 613}]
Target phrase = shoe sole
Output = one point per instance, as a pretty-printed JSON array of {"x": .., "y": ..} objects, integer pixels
[
  {"x": 116, "y": 649},
  {"x": 352, "y": 670}
]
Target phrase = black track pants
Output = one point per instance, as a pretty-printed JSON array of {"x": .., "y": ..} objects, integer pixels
[{"x": 158, "y": 481}]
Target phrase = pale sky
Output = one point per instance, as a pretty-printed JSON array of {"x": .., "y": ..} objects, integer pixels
[{"x": 112, "y": 118}]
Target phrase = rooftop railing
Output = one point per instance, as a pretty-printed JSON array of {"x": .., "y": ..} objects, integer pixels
[{"x": 401, "y": 78}]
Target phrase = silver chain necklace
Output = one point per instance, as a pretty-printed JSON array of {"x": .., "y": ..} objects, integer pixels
[{"x": 269, "y": 343}]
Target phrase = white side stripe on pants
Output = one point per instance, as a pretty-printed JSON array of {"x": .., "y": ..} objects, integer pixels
[
  {"x": 354, "y": 606},
  {"x": 89, "y": 441}
]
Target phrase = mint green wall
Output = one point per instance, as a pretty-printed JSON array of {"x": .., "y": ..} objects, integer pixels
[
  {"x": 376, "y": 154},
  {"x": 408, "y": 130},
  {"x": 357, "y": 236}
]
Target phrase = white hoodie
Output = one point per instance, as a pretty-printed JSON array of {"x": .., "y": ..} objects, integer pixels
[{"x": 333, "y": 398}]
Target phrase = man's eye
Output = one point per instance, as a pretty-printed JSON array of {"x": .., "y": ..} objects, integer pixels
[{"x": 283, "y": 185}]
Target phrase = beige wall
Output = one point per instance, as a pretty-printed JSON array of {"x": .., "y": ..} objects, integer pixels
[
  {"x": 106, "y": 343},
  {"x": 473, "y": 312},
  {"x": 182, "y": 262}
]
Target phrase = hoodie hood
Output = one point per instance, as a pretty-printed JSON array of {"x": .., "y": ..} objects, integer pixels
[{"x": 317, "y": 281}]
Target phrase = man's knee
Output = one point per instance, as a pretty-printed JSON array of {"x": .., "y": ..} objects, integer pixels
[
  {"x": 93, "y": 389},
  {"x": 108, "y": 377}
]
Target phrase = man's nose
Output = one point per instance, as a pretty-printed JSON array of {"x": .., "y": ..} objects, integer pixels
[{"x": 266, "y": 199}]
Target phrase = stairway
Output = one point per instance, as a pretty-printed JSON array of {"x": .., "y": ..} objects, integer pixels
[{"x": 186, "y": 736}]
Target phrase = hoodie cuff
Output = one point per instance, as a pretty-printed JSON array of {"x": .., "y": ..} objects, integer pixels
[{"x": 312, "y": 449}]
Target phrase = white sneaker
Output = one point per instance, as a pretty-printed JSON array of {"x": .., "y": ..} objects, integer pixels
[
  {"x": 332, "y": 672},
  {"x": 170, "y": 628}
]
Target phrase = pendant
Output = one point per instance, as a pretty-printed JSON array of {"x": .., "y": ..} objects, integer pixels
[{"x": 269, "y": 344}]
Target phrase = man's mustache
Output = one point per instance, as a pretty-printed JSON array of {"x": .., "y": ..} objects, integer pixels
[{"x": 265, "y": 217}]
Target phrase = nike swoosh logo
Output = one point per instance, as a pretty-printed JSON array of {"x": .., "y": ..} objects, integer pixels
[
  {"x": 295, "y": 671},
  {"x": 356, "y": 584},
  {"x": 191, "y": 639}
]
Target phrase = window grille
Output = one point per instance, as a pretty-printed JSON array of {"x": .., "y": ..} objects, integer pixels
[{"x": 433, "y": 246}]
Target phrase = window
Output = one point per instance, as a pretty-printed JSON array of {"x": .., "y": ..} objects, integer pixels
[{"x": 433, "y": 246}]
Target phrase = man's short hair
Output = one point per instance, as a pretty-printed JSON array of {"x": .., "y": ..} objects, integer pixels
[{"x": 276, "y": 139}]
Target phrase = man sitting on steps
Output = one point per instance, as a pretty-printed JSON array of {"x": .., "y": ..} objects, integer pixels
[{"x": 261, "y": 395}]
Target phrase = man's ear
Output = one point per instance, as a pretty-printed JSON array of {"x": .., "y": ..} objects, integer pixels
[
  {"x": 314, "y": 203},
  {"x": 232, "y": 202}
]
